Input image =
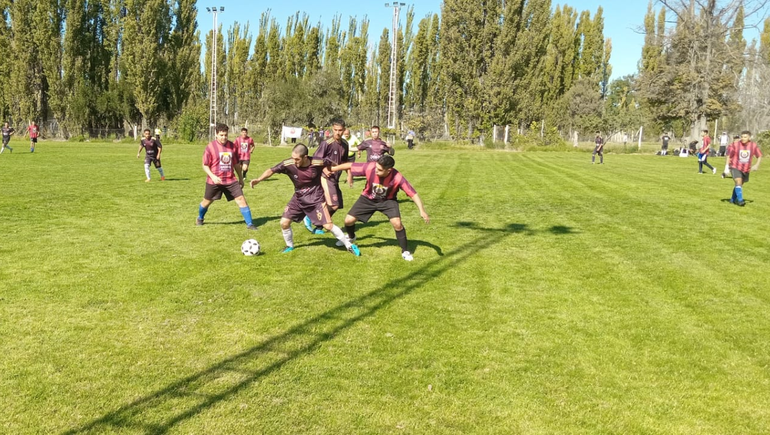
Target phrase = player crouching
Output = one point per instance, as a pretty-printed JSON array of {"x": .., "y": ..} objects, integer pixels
[{"x": 382, "y": 185}]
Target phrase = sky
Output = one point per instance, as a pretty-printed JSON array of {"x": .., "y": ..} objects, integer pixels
[{"x": 622, "y": 19}]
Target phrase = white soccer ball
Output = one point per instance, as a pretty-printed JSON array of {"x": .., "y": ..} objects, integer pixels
[{"x": 250, "y": 247}]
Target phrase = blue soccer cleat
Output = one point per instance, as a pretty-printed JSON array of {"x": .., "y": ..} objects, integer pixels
[
  {"x": 318, "y": 231},
  {"x": 308, "y": 224},
  {"x": 353, "y": 249},
  {"x": 287, "y": 249}
]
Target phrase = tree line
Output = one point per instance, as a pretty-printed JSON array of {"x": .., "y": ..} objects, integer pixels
[{"x": 81, "y": 68}]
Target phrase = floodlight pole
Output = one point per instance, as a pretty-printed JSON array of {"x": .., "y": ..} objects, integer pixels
[
  {"x": 392, "y": 93},
  {"x": 213, "y": 94}
]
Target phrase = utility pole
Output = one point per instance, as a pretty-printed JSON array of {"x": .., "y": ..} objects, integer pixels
[
  {"x": 213, "y": 92},
  {"x": 393, "y": 92}
]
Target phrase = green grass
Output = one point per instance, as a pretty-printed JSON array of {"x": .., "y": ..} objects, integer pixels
[{"x": 547, "y": 295}]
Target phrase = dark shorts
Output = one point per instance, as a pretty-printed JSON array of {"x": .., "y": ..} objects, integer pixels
[
  {"x": 215, "y": 191},
  {"x": 34, "y": 140},
  {"x": 296, "y": 212},
  {"x": 598, "y": 150},
  {"x": 722, "y": 150},
  {"x": 6, "y": 139},
  {"x": 664, "y": 146},
  {"x": 336, "y": 194},
  {"x": 738, "y": 174},
  {"x": 153, "y": 160},
  {"x": 364, "y": 208}
]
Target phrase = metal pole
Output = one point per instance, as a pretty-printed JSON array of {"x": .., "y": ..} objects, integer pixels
[
  {"x": 393, "y": 91},
  {"x": 213, "y": 94}
]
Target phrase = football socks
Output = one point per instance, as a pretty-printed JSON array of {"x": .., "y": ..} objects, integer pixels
[
  {"x": 739, "y": 193},
  {"x": 246, "y": 212},
  {"x": 202, "y": 211},
  {"x": 288, "y": 237},
  {"x": 401, "y": 236}
]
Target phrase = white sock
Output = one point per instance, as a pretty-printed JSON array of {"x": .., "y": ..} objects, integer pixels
[
  {"x": 161, "y": 172},
  {"x": 340, "y": 236},
  {"x": 288, "y": 237},
  {"x": 147, "y": 171}
]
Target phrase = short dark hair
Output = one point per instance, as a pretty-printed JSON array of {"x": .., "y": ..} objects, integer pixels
[
  {"x": 221, "y": 127},
  {"x": 146, "y": 130},
  {"x": 387, "y": 161},
  {"x": 375, "y": 126},
  {"x": 245, "y": 129},
  {"x": 705, "y": 131},
  {"x": 300, "y": 149},
  {"x": 746, "y": 132},
  {"x": 736, "y": 137},
  {"x": 338, "y": 121}
]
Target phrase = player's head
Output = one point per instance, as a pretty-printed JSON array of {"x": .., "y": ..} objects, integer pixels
[
  {"x": 346, "y": 134},
  {"x": 299, "y": 154},
  {"x": 705, "y": 132},
  {"x": 244, "y": 132},
  {"x": 745, "y": 136},
  {"x": 222, "y": 130},
  {"x": 737, "y": 137},
  {"x": 6, "y": 124},
  {"x": 146, "y": 133},
  {"x": 375, "y": 132},
  {"x": 338, "y": 127},
  {"x": 385, "y": 165}
]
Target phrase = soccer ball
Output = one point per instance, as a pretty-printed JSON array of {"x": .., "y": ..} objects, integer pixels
[{"x": 250, "y": 247}]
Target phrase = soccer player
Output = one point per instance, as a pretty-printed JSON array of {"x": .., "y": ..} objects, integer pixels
[
  {"x": 598, "y": 149},
  {"x": 703, "y": 153},
  {"x": 221, "y": 164},
  {"x": 335, "y": 150},
  {"x": 353, "y": 142},
  {"x": 382, "y": 185},
  {"x": 724, "y": 140},
  {"x": 665, "y": 139},
  {"x": 152, "y": 151},
  {"x": 7, "y": 132},
  {"x": 375, "y": 147},
  {"x": 308, "y": 201},
  {"x": 738, "y": 163},
  {"x": 245, "y": 145},
  {"x": 33, "y": 132}
]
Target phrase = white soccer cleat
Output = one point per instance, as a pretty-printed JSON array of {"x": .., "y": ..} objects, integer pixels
[
  {"x": 406, "y": 255},
  {"x": 340, "y": 243}
]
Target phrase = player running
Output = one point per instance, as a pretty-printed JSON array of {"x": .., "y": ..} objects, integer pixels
[
  {"x": 598, "y": 149},
  {"x": 7, "y": 131},
  {"x": 221, "y": 164},
  {"x": 33, "y": 133},
  {"x": 245, "y": 145},
  {"x": 152, "y": 150},
  {"x": 703, "y": 153},
  {"x": 308, "y": 201},
  {"x": 375, "y": 147},
  {"x": 382, "y": 185},
  {"x": 738, "y": 163}
]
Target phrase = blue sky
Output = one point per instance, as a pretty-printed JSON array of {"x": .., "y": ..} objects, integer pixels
[{"x": 621, "y": 19}]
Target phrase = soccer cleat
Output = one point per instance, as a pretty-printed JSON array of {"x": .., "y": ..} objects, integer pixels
[
  {"x": 318, "y": 231},
  {"x": 308, "y": 224},
  {"x": 714, "y": 171},
  {"x": 162, "y": 178},
  {"x": 147, "y": 180},
  {"x": 406, "y": 255},
  {"x": 287, "y": 249},
  {"x": 723, "y": 175},
  {"x": 251, "y": 227},
  {"x": 339, "y": 242},
  {"x": 198, "y": 222},
  {"x": 741, "y": 203},
  {"x": 353, "y": 249}
]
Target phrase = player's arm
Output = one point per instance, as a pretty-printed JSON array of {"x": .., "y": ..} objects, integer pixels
[
  {"x": 160, "y": 149},
  {"x": 727, "y": 161},
  {"x": 350, "y": 177},
  {"x": 756, "y": 165},
  {"x": 421, "y": 207},
  {"x": 211, "y": 175},
  {"x": 265, "y": 175},
  {"x": 341, "y": 167},
  {"x": 139, "y": 151}
]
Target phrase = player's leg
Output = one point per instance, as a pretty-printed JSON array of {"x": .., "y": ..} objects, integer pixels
[
  {"x": 706, "y": 163},
  {"x": 159, "y": 167},
  {"x": 243, "y": 206},
  {"x": 322, "y": 217},
  {"x": 601, "y": 157},
  {"x": 738, "y": 178},
  {"x": 288, "y": 235},
  {"x": 211, "y": 194},
  {"x": 593, "y": 156},
  {"x": 245, "y": 166},
  {"x": 32, "y": 145}
]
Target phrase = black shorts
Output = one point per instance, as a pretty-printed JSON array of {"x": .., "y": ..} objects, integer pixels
[
  {"x": 739, "y": 174},
  {"x": 153, "y": 160},
  {"x": 6, "y": 139},
  {"x": 34, "y": 140},
  {"x": 364, "y": 208},
  {"x": 215, "y": 191}
]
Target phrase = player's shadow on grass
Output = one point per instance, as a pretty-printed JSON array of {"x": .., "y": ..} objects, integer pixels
[
  {"x": 414, "y": 244},
  {"x": 747, "y": 201},
  {"x": 177, "y": 179},
  {"x": 161, "y": 410},
  {"x": 519, "y": 228}
]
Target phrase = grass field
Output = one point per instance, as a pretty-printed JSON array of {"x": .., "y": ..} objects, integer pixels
[{"x": 547, "y": 295}]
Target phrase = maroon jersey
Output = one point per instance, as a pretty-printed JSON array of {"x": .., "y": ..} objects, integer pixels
[
  {"x": 375, "y": 148},
  {"x": 307, "y": 181},
  {"x": 245, "y": 147},
  {"x": 334, "y": 152},
  {"x": 706, "y": 145},
  {"x": 221, "y": 159},
  {"x": 381, "y": 189},
  {"x": 33, "y": 131},
  {"x": 151, "y": 147},
  {"x": 740, "y": 154}
]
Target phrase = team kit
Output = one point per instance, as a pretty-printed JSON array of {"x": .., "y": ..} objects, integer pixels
[{"x": 316, "y": 179}]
